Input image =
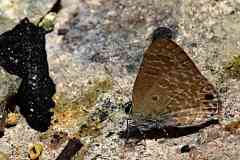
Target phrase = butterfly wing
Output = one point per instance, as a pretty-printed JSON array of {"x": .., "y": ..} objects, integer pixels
[{"x": 170, "y": 87}]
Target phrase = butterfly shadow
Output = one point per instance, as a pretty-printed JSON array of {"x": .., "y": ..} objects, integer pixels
[{"x": 150, "y": 129}]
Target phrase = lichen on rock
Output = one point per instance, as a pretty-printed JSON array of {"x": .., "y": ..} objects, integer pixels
[
  {"x": 233, "y": 67},
  {"x": 13, "y": 11}
]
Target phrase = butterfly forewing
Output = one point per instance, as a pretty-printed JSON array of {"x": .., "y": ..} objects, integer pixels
[{"x": 169, "y": 86}]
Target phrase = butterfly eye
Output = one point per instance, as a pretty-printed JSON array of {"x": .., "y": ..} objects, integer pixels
[{"x": 209, "y": 96}]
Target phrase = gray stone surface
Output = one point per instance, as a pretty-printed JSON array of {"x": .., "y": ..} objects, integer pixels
[
  {"x": 9, "y": 85},
  {"x": 11, "y": 12}
]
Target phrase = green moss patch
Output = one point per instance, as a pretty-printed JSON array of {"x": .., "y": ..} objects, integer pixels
[{"x": 233, "y": 68}]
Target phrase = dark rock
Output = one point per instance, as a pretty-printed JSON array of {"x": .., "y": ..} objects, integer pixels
[{"x": 22, "y": 52}]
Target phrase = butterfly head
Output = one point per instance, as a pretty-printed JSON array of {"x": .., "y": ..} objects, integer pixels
[{"x": 162, "y": 33}]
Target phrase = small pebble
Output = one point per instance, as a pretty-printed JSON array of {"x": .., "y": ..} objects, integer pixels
[
  {"x": 12, "y": 119},
  {"x": 35, "y": 151}
]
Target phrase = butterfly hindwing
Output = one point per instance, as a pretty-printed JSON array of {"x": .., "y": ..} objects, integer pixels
[{"x": 170, "y": 85}]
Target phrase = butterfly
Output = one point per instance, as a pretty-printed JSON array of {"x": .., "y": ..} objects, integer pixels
[{"x": 170, "y": 89}]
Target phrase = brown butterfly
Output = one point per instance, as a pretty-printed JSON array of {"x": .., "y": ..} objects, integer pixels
[{"x": 169, "y": 87}]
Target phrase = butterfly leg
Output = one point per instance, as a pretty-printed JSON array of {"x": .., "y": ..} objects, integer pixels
[
  {"x": 127, "y": 134},
  {"x": 134, "y": 131}
]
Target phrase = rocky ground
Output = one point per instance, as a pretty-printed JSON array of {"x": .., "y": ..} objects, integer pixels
[{"x": 94, "y": 53}]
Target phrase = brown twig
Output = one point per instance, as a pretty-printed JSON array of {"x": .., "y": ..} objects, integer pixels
[{"x": 73, "y": 146}]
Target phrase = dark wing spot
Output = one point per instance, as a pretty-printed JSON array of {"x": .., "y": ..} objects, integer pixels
[
  {"x": 209, "y": 96},
  {"x": 155, "y": 98}
]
